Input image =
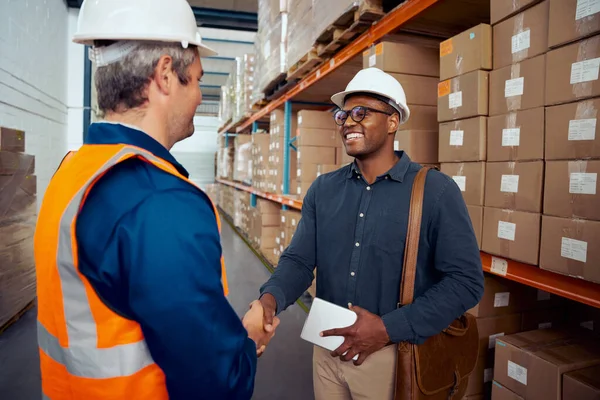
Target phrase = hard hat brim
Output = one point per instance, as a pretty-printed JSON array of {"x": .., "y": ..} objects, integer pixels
[{"x": 338, "y": 100}]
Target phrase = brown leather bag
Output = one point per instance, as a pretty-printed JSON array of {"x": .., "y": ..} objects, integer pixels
[{"x": 438, "y": 369}]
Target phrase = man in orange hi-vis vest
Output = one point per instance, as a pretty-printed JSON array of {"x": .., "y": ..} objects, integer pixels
[{"x": 130, "y": 275}]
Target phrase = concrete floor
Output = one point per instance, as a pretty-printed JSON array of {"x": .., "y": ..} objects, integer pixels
[{"x": 284, "y": 371}]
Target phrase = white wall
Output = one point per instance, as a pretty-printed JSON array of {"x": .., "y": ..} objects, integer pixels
[{"x": 33, "y": 79}]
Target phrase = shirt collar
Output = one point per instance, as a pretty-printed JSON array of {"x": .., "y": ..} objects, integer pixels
[
  {"x": 116, "y": 133},
  {"x": 397, "y": 172}
]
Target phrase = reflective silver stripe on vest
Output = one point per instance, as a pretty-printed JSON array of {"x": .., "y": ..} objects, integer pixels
[
  {"x": 83, "y": 357},
  {"x": 44, "y": 397}
]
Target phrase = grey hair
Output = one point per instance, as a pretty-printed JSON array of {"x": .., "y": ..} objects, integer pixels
[{"x": 122, "y": 84}]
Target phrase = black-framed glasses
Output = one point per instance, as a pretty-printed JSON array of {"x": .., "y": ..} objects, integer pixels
[{"x": 357, "y": 114}]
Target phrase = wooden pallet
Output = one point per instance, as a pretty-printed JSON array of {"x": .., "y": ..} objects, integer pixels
[
  {"x": 347, "y": 27},
  {"x": 305, "y": 65},
  {"x": 281, "y": 89},
  {"x": 14, "y": 319},
  {"x": 274, "y": 85}
]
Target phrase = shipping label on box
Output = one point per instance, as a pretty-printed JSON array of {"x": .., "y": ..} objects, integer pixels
[
  {"x": 466, "y": 52},
  {"x": 518, "y": 87},
  {"x": 463, "y": 140},
  {"x": 515, "y": 185},
  {"x": 571, "y": 20},
  {"x": 521, "y": 37},
  {"x": 572, "y": 72},
  {"x": 470, "y": 178},
  {"x": 573, "y": 131},
  {"x": 464, "y": 96},
  {"x": 403, "y": 58},
  {"x": 516, "y": 136}
]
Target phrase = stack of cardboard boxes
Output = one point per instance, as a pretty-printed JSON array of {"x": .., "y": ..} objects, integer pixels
[
  {"x": 18, "y": 209},
  {"x": 242, "y": 160},
  {"x": 260, "y": 159},
  {"x": 225, "y": 157},
  {"x": 276, "y": 148},
  {"x": 462, "y": 110},
  {"x": 417, "y": 68},
  {"x": 317, "y": 142},
  {"x": 264, "y": 227},
  {"x": 515, "y": 170},
  {"x": 287, "y": 228},
  {"x": 571, "y": 220}
]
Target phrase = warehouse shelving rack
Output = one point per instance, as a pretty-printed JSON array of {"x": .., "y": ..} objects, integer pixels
[{"x": 421, "y": 16}]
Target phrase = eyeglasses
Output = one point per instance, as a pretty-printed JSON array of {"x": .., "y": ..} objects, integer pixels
[{"x": 357, "y": 114}]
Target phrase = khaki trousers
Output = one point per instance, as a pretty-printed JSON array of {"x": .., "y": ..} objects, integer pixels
[{"x": 335, "y": 379}]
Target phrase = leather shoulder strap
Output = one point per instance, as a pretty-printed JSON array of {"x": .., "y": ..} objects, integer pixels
[{"x": 415, "y": 214}]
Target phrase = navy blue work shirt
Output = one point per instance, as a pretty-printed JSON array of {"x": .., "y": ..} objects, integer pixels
[
  {"x": 149, "y": 245},
  {"x": 354, "y": 233}
]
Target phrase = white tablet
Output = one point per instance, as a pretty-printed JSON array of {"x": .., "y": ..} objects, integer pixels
[{"x": 324, "y": 315}]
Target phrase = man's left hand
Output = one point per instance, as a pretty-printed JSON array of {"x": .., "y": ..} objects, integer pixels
[{"x": 366, "y": 336}]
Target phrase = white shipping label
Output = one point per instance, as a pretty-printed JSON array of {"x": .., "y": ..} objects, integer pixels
[
  {"x": 455, "y": 100},
  {"x": 492, "y": 340},
  {"x": 499, "y": 266},
  {"x": 299, "y": 119},
  {"x": 517, "y": 372},
  {"x": 372, "y": 60},
  {"x": 521, "y": 41},
  {"x": 545, "y": 325},
  {"x": 585, "y": 71},
  {"x": 283, "y": 219},
  {"x": 585, "y": 8},
  {"x": 501, "y": 299},
  {"x": 457, "y": 138},
  {"x": 461, "y": 181},
  {"x": 488, "y": 375},
  {"x": 298, "y": 173},
  {"x": 588, "y": 325},
  {"x": 267, "y": 49},
  {"x": 396, "y": 145},
  {"x": 299, "y": 190},
  {"x": 542, "y": 295},
  {"x": 514, "y": 87},
  {"x": 511, "y": 137},
  {"x": 574, "y": 249},
  {"x": 509, "y": 184},
  {"x": 582, "y": 129},
  {"x": 506, "y": 230},
  {"x": 293, "y": 222},
  {"x": 582, "y": 183}
]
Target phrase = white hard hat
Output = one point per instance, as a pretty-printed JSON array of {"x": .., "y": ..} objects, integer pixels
[
  {"x": 375, "y": 81},
  {"x": 139, "y": 20}
]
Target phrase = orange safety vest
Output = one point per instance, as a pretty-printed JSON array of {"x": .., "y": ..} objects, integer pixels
[{"x": 87, "y": 351}]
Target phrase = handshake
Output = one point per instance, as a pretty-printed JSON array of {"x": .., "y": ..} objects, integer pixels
[{"x": 260, "y": 322}]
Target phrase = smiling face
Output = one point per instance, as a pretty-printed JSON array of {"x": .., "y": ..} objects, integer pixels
[{"x": 374, "y": 133}]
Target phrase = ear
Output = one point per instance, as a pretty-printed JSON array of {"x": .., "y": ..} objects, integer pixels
[
  {"x": 163, "y": 74},
  {"x": 393, "y": 123}
]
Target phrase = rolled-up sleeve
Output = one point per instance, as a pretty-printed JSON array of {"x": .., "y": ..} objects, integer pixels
[
  {"x": 171, "y": 246},
  {"x": 456, "y": 260},
  {"x": 294, "y": 273}
]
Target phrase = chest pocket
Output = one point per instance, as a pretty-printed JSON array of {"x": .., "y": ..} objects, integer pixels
[{"x": 390, "y": 231}]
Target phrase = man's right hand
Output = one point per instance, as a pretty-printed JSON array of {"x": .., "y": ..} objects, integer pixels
[
  {"x": 253, "y": 321},
  {"x": 269, "y": 305}
]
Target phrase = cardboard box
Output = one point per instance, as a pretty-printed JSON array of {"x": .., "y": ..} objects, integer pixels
[
  {"x": 341, "y": 157},
  {"x": 532, "y": 367},
  {"x": 572, "y": 72},
  {"x": 536, "y": 300},
  {"x": 315, "y": 155},
  {"x": 307, "y": 172},
  {"x": 310, "y": 119},
  {"x": 14, "y": 140},
  {"x": 419, "y": 90},
  {"x": 421, "y": 146},
  {"x": 500, "y": 297},
  {"x": 421, "y": 118},
  {"x": 326, "y": 168},
  {"x": 516, "y": 136},
  {"x": 573, "y": 131},
  {"x": 492, "y": 328},
  {"x": 569, "y": 247},
  {"x": 584, "y": 316},
  {"x": 511, "y": 234},
  {"x": 11, "y": 162},
  {"x": 571, "y": 20},
  {"x": 518, "y": 86},
  {"x": 463, "y": 140},
  {"x": 302, "y": 189},
  {"x": 403, "y": 58},
  {"x": 317, "y": 137},
  {"x": 464, "y": 96},
  {"x": 571, "y": 189},
  {"x": 468, "y": 51},
  {"x": 480, "y": 380},
  {"x": 499, "y": 392},
  {"x": 582, "y": 384},
  {"x": 470, "y": 178},
  {"x": 277, "y": 121},
  {"x": 502, "y": 9},
  {"x": 476, "y": 214},
  {"x": 514, "y": 185},
  {"x": 544, "y": 319},
  {"x": 521, "y": 37}
]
